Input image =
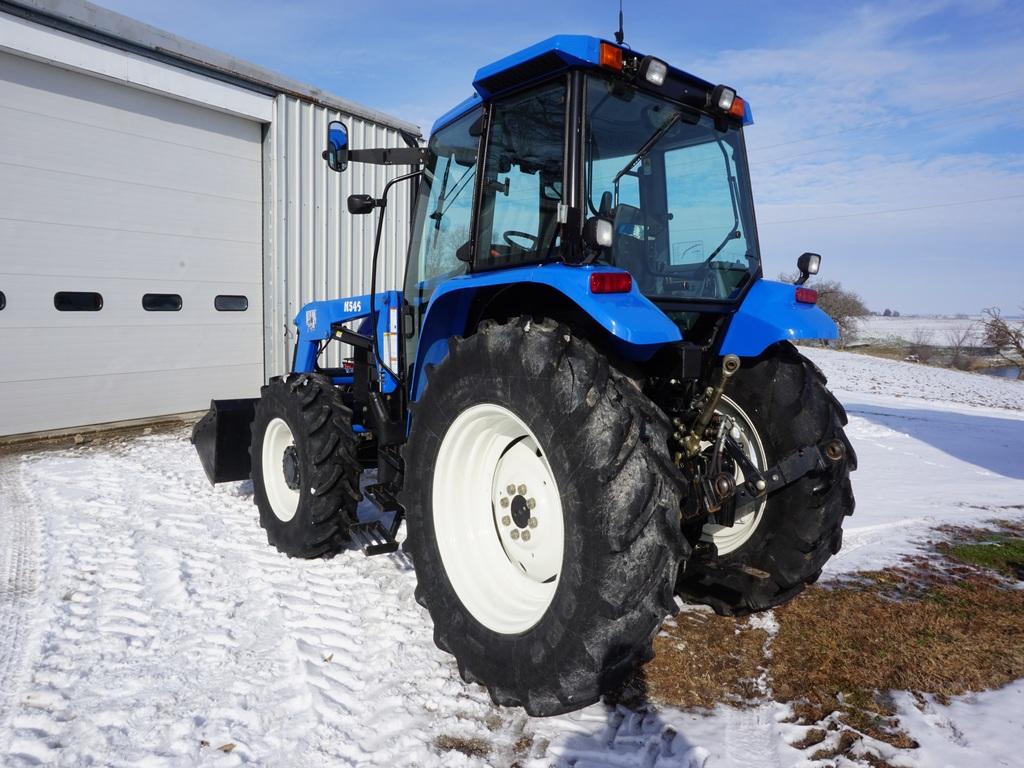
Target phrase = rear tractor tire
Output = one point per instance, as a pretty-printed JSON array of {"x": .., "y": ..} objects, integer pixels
[
  {"x": 777, "y": 404},
  {"x": 305, "y": 472},
  {"x": 543, "y": 515}
]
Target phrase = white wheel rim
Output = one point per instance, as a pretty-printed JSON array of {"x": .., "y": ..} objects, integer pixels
[
  {"x": 502, "y": 554},
  {"x": 725, "y": 538},
  {"x": 284, "y": 501}
]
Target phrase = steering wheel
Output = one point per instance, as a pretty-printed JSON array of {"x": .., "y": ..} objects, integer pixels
[{"x": 534, "y": 240}]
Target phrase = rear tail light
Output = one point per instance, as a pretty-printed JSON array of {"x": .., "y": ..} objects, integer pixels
[
  {"x": 611, "y": 282},
  {"x": 804, "y": 295}
]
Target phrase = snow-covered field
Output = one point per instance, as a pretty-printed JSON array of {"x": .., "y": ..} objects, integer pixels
[
  {"x": 144, "y": 621},
  {"x": 935, "y": 329}
]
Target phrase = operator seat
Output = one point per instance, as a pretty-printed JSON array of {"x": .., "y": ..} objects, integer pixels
[{"x": 630, "y": 246}]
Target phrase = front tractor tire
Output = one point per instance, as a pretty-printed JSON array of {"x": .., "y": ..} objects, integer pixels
[
  {"x": 777, "y": 404},
  {"x": 305, "y": 472},
  {"x": 543, "y": 515}
]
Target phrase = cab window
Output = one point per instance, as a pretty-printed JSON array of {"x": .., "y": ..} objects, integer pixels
[
  {"x": 521, "y": 185},
  {"x": 444, "y": 203}
]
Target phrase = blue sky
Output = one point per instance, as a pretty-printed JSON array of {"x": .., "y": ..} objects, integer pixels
[{"x": 888, "y": 136}]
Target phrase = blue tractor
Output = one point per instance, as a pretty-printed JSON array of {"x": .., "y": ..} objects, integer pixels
[{"x": 584, "y": 402}]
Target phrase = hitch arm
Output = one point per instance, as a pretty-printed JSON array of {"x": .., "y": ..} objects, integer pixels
[
  {"x": 730, "y": 364},
  {"x": 721, "y": 497},
  {"x": 791, "y": 468}
]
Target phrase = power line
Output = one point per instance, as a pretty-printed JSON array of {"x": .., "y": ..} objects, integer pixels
[{"x": 896, "y": 210}]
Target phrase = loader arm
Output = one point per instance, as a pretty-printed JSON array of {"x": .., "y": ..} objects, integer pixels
[{"x": 323, "y": 321}]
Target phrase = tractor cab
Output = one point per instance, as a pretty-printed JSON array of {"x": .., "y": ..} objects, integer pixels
[{"x": 578, "y": 151}]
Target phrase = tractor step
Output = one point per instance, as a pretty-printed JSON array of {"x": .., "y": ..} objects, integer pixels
[
  {"x": 381, "y": 495},
  {"x": 376, "y": 538}
]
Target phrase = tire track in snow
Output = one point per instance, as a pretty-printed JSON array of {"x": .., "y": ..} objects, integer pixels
[
  {"x": 19, "y": 579},
  {"x": 152, "y": 643},
  {"x": 167, "y": 622}
]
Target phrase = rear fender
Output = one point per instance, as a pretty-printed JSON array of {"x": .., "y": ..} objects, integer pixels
[
  {"x": 636, "y": 327},
  {"x": 770, "y": 313}
]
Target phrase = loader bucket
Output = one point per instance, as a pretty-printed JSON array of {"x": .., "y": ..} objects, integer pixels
[{"x": 222, "y": 439}]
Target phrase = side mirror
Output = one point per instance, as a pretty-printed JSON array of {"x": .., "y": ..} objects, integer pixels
[
  {"x": 360, "y": 204},
  {"x": 598, "y": 232},
  {"x": 808, "y": 264},
  {"x": 336, "y": 153}
]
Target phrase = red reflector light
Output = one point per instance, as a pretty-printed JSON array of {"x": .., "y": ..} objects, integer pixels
[
  {"x": 611, "y": 282},
  {"x": 611, "y": 56},
  {"x": 738, "y": 108},
  {"x": 807, "y": 295}
]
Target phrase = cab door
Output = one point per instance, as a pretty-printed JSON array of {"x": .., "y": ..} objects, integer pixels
[{"x": 443, "y": 220}]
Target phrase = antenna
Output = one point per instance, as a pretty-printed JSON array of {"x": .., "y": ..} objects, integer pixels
[{"x": 619, "y": 35}]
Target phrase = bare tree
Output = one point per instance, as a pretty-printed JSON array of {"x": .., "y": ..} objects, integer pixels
[
  {"x": 1006, "y": 337},
  {"x": 921, "y": 345},
  {"x": 844, "y": 306},
  {"x": 957, "y": 338}
]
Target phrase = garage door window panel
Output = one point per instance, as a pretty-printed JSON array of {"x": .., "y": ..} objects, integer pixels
[
  {"x": 161, "y": 302},
  {"x": 226, "y": 303},
  {"x": 77, "y": 301}
]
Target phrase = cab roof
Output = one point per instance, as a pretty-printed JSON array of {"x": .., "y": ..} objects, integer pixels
[{"x": 539, "y": 61}]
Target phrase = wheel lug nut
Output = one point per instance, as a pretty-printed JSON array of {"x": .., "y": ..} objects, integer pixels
[
  {"x": 515, "y": 533},
  {"x": 506, "y": 520},
  {"x": 511, "y": 489},
  {"x": 760, "y": 485},
  {"x": 526, "y": 535},
  {"x": 504, "y": 501},
  {"x": 531, "y": 503},
  {"x": 533, "y": 522},
  {"x": 522, "y": 490}
]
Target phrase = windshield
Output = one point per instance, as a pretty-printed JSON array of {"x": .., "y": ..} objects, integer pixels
[{"x": 677, "y": 190}]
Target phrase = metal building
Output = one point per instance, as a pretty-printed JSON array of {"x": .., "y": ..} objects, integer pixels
[{"x": 164, "y": 213}]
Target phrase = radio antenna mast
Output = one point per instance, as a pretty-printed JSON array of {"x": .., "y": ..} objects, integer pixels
[{"x": 619, "y": 35}]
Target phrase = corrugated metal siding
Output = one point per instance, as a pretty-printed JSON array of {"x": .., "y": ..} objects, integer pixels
[{"x": 313, "y": 248}]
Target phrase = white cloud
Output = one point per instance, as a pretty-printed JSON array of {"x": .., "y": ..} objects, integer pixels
[{"x": 840, "y": 139}]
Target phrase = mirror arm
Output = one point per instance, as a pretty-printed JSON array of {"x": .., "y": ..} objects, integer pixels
[
  {"x": 382, "y": 205},
  {"x": 392, "y": 156}
]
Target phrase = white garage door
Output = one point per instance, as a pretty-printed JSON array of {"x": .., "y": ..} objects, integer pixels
[{"x": 130, "y": 252}]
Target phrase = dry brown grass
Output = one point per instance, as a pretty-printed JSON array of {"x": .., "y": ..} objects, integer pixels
[
  {"x": 934, "y": 625},
  {"x": 704, "y": 660},
  {"x": 468, "y": 747},
  {"x": 844, "y": 745},
  {"x": 813, "y": 737},
  {"x": 955, "y": 637}
]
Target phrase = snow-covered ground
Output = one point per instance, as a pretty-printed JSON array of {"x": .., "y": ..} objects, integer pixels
[{"x": 144, "y": 621}]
